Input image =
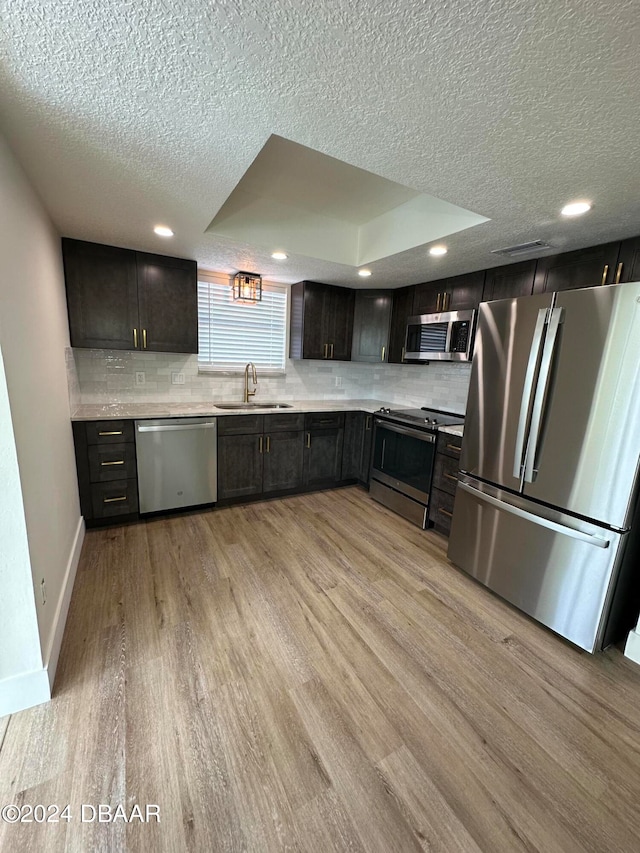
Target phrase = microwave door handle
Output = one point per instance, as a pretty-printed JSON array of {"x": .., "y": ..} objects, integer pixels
[
  {"x": 542, "y": 391},
  {"x": 447, "y": 343},
  {"x": 527, "y": 392}
]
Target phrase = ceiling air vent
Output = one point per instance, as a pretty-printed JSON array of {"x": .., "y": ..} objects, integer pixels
[{"x": 522, "y": 249}]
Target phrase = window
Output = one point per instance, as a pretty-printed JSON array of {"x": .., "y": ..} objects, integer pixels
[{"x": 232, "y": 333}]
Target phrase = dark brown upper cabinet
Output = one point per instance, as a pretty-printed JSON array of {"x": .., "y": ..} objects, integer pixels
[
  {"x": 510, "y": 281},
  {"x": 582, "y": 268},
  {"x": 457, "y": 293},
  {"x": 628, "y": 265},
  {"x": 371, "y": 319},
  {"x": 121, "y": 299},
  {"x": 401, "y": 311},
  {"x": 321, "y": 321}
]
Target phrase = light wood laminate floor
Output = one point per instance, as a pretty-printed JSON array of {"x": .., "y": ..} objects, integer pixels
[{"x": 311, "y": 674}]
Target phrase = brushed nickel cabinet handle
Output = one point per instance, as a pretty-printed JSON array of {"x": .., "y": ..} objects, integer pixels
[
  {"x": 331, "y": 345},
  {"x": 454, "y": 447},
  {"x": 604, "y": 273},
  {"x": 112, "y": 432},
  {"x": 119, "y": 462},
  {"x": 260, "y": 445},
  {"x": 308, "y": 439},
  {"x": 144, "y": 339},
  {"x": 447, "y": 301},
  {"x": 445, "y": 512},
  {"x": 135, "y": 338},
  {"x": 619, "y": 272},
  {"x": 368, "y": 423},
  {"x": 384, "y": 349},
  {"x": 451, "y": 477},
  {"x": 268, "y": 444},
  {"x": 403, "y": 352},
  {"x": 114, "y": 500},
  {"x": 326, "y": 350},
  {"x": 438, "y": 302}
]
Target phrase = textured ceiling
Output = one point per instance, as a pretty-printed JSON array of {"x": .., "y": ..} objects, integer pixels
[{"x": 125, "y": 115}]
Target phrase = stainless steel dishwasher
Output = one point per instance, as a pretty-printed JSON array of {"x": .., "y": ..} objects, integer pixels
[{"x": 177, "y": 463}]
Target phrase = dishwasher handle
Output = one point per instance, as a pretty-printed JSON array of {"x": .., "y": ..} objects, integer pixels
[{"x": 173, "y": 427}]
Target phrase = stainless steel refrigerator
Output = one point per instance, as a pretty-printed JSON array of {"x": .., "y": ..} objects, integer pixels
[{"x": 546, "y": 510}]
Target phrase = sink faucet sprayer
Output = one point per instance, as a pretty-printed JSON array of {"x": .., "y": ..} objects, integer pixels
[{"x": 254, "y": 377}]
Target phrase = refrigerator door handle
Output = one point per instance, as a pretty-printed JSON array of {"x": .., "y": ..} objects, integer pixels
[
  {"x": 536, "y": 519},
  {"x": 527, "y": 391},
  {"x": 539, "y": 402}
]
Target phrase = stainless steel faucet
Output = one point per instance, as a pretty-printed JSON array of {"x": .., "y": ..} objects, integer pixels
[{"x": 254, "y": 377}]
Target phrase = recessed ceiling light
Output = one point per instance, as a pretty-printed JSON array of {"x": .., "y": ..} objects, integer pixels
[
  {"x": 364, "y": 273},
  {"x": 163, "y": 231},
  {"x": 438, "y": 250},
  {"x": 279, "y": 256},
  {"x": 576, "y": 208}
]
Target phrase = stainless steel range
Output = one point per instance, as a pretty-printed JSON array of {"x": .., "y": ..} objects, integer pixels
[{"x": 404, "y": 446}]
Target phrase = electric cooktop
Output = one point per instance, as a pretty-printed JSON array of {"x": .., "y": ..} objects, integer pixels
[{"x": 424, "y": 418}]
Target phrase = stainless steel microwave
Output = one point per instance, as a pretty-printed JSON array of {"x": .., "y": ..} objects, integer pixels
[{"x": 440, "y": 337}]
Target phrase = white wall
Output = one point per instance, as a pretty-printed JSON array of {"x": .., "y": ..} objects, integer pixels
[{"x": 33, "y": 336}]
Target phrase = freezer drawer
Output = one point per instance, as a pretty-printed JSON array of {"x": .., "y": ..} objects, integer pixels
[
  {"x": 177, "y": 463},
  {"x": 558, "y": 569}
]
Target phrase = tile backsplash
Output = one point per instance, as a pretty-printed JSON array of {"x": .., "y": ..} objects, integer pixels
[{"x": 109, "y": 376}]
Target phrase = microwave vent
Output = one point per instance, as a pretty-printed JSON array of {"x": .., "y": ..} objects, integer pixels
[{"x": 522, "y": 249}]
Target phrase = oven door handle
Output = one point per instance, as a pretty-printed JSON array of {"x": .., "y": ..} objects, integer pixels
[{"x": 414, "y": 433}]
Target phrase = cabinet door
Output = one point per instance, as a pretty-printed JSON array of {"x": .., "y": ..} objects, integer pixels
[
  {"x": 315, "y": 318},
  {"x": 371, "y": 318},
  {"x": 464, "y": 292},
  {"x": 322, "y": 457},
  {"x": 339, "y": 322},
  {"x": 168, "y": 303},
  {"x": 352, "y": 443},
  {"x": 239, "y": 465},
  {"x": 510, "y": 281},
  {"x": 283, "y": 453},
  {"x": 402, "y": 310},
  {"x": 101, "y": 295},
  {"x": 428, "y": 297},
  {"x": 628, "y": 266},
  {"x": 583, "y": 268}
]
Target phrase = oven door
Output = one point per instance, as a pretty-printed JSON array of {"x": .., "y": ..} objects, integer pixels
[{"x": 403, "y": 459}]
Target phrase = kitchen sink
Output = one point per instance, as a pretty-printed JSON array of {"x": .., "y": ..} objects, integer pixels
[{"x": 252, "y": 406}]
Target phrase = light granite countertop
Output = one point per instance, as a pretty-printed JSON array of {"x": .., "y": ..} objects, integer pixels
[
  {"x": 108, "y": 411},
  {"x": 454, "y": 429}
]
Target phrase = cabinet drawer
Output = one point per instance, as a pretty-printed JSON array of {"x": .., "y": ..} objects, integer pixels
[
  {"x": 240, "y": 424},
  {"x": 111, "y": 462},
  {"x": 109, "y": 432},
  {"x": 118, "y": 497},
  {"x": 445, "y": 473},
  {"x": 449, "y": 444},
  {"x": 324, "y": 420},
  {"x": 441, "y": 510},
  {"x": 287, "y": 422}
]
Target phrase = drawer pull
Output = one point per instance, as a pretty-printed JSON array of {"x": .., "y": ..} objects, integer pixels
[
  {"x": 451, "y": 477},
  {"x": 119, "y": 462},
  {"x": 454, "y": 447},
  {"x": 268, "y": 444},
  {"x": 604, "y": 274},
  {"x": 445, "y": 512},
  {"x": 112, "y": 432},
  {"x": 308, "y": 440},
  {"x": 260, "y": 445},
  {"x": 619, "y": 272},
  {"x": 114, "y": 500}
]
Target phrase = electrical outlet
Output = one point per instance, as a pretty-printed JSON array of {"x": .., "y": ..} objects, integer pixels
[
  {"x": 177, "y": 378},
  {"x": 140, "y": 377},
  {"x": 43, "y": 590},
  {"x": 338, "y": 381}
]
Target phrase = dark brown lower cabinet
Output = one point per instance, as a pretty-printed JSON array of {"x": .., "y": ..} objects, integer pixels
[
  {"x": 324, "y": 435},
  {"x": 107, "y": 474},
  {"x": 239, "y": 465},
  {"x": 356, "y": 447},
  {"x": 282, "y": 461},
  {"x": 445, "y": 481}
]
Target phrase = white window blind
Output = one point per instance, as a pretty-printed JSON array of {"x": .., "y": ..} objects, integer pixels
[{"x": 232, "y": 333}]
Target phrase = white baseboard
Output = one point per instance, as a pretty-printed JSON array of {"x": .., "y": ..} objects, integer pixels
[
  {"x": 632, "y": 648},
  {"x": 60, "y": 620},
  {"x": 24, "y": 691}
]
